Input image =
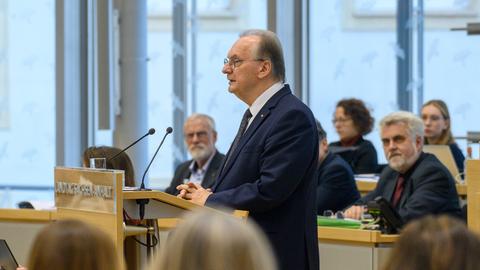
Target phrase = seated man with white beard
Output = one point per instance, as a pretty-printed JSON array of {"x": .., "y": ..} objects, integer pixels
[
  {"x": 415, "y": 183},
  {"x": 200, "y": 137}
]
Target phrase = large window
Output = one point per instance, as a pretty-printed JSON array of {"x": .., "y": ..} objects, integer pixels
[
  {"x": 27, "y": 99},
  {"x": 351, "y": 58},
  {"x": 216, "y": 26},
  {"x": 451, "y": 61},
  {"x": 354, "y": 51}
]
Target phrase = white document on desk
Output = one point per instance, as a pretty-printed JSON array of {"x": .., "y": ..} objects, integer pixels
[{"x": 369, "y": 177}]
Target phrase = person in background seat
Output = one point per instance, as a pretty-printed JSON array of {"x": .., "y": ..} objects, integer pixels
[
  {"x": 415, "y": 183},
  {"x": 436, "y": 118},
  {"x": 200, "y": 137},
  {"x": 336, "y": 185},
  {"x": 352, "y": 121}
]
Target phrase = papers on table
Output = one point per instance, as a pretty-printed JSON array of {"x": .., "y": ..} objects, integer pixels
[{"x": 368, "y": 177}]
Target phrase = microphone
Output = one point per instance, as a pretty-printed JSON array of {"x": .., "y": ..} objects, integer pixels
[
  {"x": 168, "y": 131},
  {"x": 141, "y": 202},
  {"x": 150, "y": 132}
]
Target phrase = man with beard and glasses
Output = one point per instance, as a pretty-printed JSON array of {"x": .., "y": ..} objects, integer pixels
[
  {"x": 200, "y": 137},
  {"x": 415, "y": 183}
]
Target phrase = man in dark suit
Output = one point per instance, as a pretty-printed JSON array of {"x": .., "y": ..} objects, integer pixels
[
  {"x": 200, "y": 137},
  {"x": 336, "y": 184},
  {"x": 415, "y": 183},
  {"x": 270, "y": 167}
]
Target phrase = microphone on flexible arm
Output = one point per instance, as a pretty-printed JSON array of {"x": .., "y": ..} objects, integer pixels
[
  {"x": 142, "y": 202},
  {"x": 168, "y": 131},
  {"x": 150, "y": 132}
]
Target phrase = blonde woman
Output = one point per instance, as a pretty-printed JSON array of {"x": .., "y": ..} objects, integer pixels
[
  {"x": 437, "y": 122},
  {"x": 214, "y": 241}
]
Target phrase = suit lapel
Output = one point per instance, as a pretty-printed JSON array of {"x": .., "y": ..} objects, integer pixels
[
  {"x": 208, "y": 179},
  {"x": 257, "y": 122}
]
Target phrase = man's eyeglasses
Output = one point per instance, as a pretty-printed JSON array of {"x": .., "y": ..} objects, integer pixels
[
  {"x": 199, "y": 134},
  {"x": 235, "y": 62}
]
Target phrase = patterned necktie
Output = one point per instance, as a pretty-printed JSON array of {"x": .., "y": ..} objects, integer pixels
[
  {"x": 243, "y": 126},
  {"x": 398, "y": 190}
]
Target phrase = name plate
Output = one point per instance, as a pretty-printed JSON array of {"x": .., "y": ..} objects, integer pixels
[{"x": 87, "y": 189}]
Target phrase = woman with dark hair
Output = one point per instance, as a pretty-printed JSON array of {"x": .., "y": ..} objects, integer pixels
[
  {"x": 352, "y": 120},
  {"x": 436, "y": 118},
  {"x": 121, "y": 162}
]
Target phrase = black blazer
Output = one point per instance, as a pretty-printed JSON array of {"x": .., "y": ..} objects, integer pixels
[
  {"x": 458, "y": 156},
  {"x": 429, "y": 189},
  {"x": 363, "y": 159},
  {"x": 182, "y": 172},
  {"x": 271, "y": 173},
  {"x": 336, "y": 185}
]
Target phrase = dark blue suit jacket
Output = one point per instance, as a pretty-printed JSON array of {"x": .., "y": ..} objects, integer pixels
[
  {"x": 336, "y": 185},
  {"x": 271, "y": 173}
]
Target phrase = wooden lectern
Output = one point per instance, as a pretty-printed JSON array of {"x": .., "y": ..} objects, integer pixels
[{"x": 96, "y": 197}]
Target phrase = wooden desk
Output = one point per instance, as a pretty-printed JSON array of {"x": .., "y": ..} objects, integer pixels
[
  {"x": 353, "y": 249},
  {"x": 472, "y": 170},
  {"x": 326, "y": 234},
  {"x": 366, "y": 186},
  {"x": 20, "y": 227},
  {"x": 364, "y": 249}
]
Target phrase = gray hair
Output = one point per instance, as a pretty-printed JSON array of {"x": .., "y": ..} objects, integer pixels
[
  {"x": 414, "y": 123},
  {"x": 269, "y": 48},
  {"x": 207, "y": 119}
]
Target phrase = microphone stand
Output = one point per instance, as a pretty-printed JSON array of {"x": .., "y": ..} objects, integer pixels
[{"x": 142, "y": 202}]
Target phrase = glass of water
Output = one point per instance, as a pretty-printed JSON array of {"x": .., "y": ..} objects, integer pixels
[{"x": 98, "y": 163}]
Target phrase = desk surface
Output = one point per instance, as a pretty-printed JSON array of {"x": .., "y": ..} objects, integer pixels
[
  {"x": 324, "y": 233},
  {"x": 160, "y": 196},
  {"x": 353, "y": 235},
  {"x": 367, "y": 186},
  {"x": 27, "y": 215}
]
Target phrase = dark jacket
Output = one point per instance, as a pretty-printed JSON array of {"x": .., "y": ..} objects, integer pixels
[
  {"x": 458, "y": 156},
  {"x": 183, "y": 172},
  {"x": 336, "y": 185},
  {"x": 362, "y": 157},
  {"x": 429, "y": 189},
  {"x": 271, "y": 173}
]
